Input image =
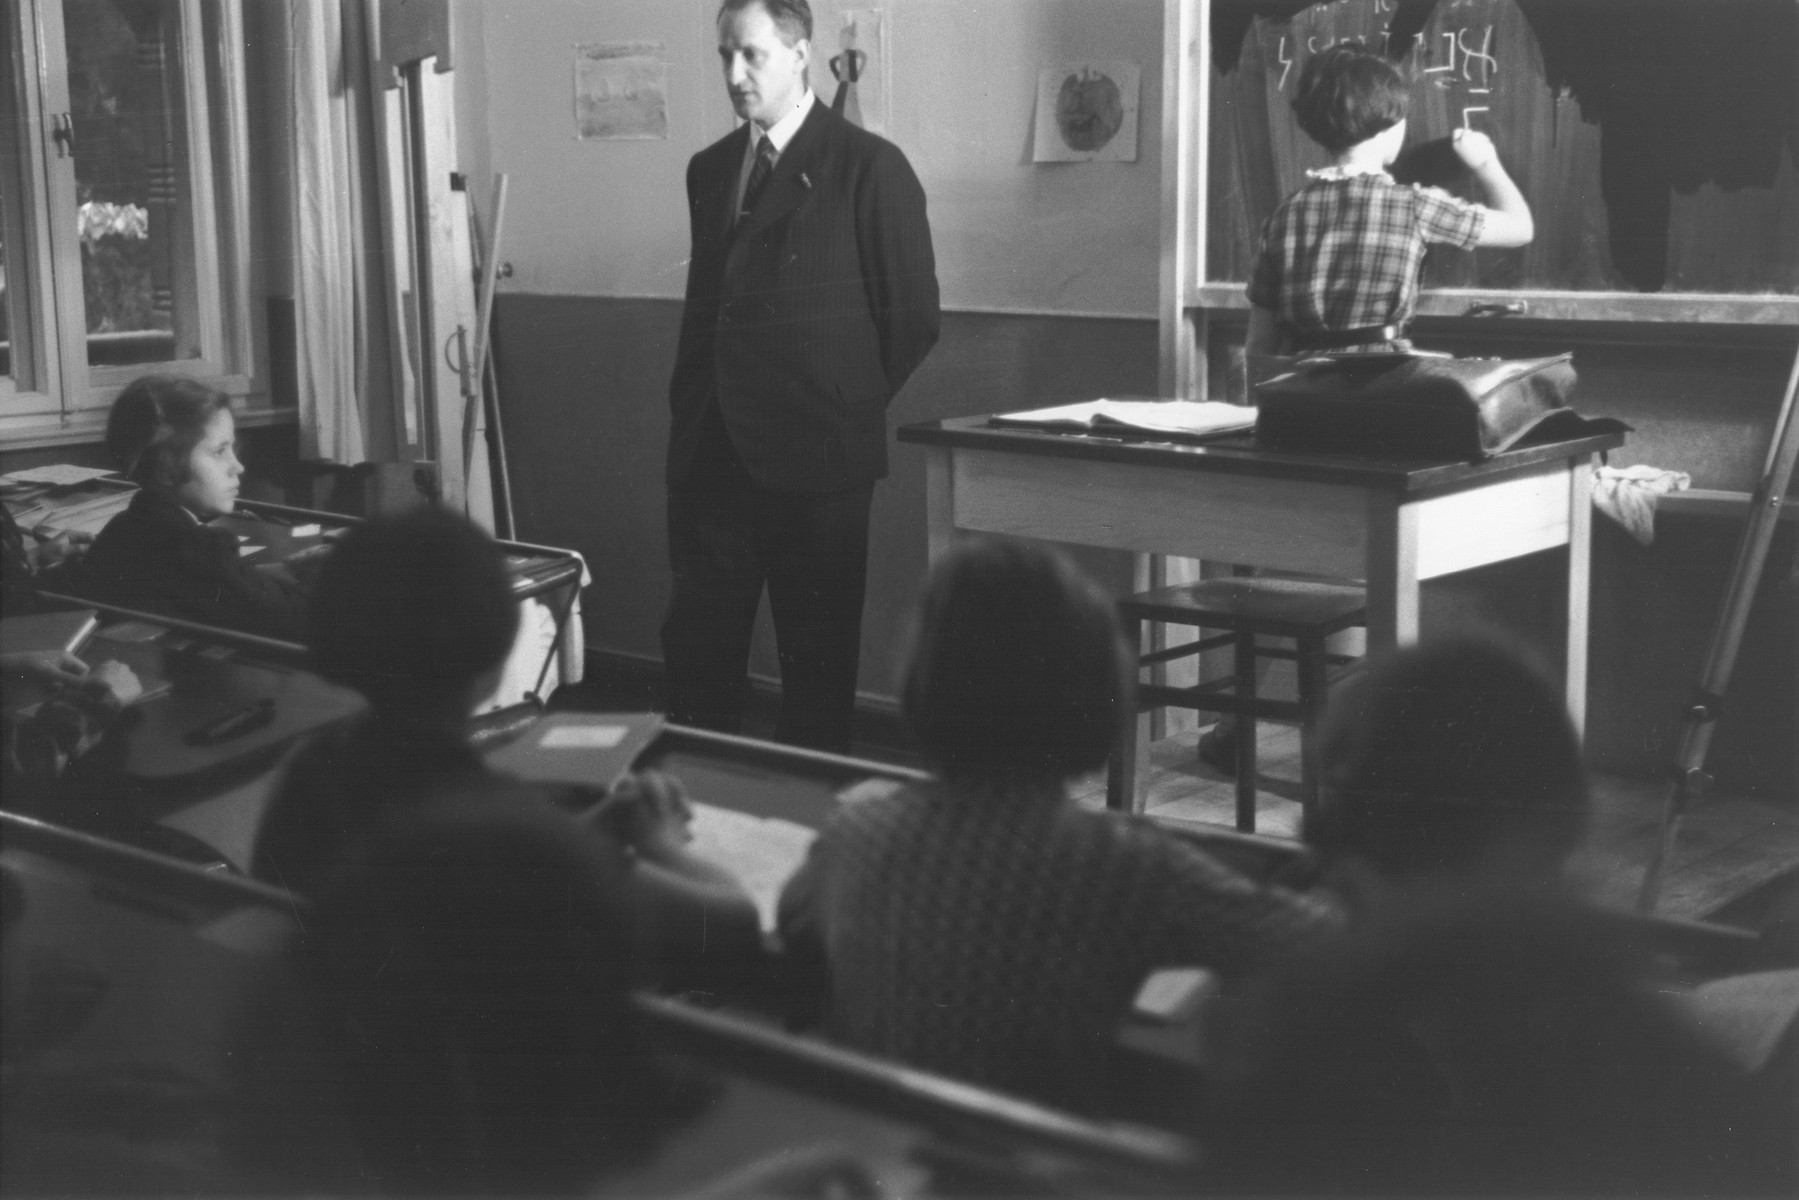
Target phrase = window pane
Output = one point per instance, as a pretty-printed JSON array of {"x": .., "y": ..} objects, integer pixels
[
  {"x": 7, "y": 174},
  {"x": 5, "y": 298},
  {"x": 128, "y": 104}
]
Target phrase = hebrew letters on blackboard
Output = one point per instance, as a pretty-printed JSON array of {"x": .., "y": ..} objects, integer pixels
[{"x": 1657, "y": 142}]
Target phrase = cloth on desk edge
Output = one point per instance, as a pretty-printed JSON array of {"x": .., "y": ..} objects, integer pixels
[{"x": 1628, "y": 494}]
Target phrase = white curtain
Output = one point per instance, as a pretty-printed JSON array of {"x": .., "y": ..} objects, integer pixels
[{"x": 340, "y": 322}]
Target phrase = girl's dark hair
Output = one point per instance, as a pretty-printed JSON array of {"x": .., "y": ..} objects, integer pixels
[
  {"x": 155, "y": 424},
  {"x": 1019, "y": 669},
  {"x": 1347, "y": 94},
  {"x": 1443, "y": 753},
  {"x": 412, "y": 606}
]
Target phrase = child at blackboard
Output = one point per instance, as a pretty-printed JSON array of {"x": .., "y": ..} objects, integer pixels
[
  {"x": 1338, "y": 267},
  {"x": 1340, "y": 257}
]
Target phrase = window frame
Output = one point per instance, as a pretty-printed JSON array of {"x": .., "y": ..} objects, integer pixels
[{"x": 55, "y": 396}]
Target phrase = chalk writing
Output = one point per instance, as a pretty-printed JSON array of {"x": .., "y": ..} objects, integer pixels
[
  {"x": 1459, "y": 58},
  {"x": 1489, "y": 66}
]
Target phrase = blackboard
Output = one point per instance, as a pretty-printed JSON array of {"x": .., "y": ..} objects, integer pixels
[{"x": 1657, "y": 141}]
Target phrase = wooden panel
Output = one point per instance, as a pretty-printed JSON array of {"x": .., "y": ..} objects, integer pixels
[
  {"x": 1491, "y": 524},
  {"x": 1273, "y": 523}
]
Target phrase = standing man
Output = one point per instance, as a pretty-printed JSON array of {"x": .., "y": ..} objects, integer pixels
[{"x": 811, "y": 297}]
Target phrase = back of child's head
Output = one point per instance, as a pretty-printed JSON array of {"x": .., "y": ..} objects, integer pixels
[
  {"x": 1450, "y": 756},
  {"x": 1018, "y": 668},
  {"x": 1348, "y": 93},
  {"x": 469, "y": 968},
  {"x": 155, "y": 424},
  {"x": 413, "y": 609}
]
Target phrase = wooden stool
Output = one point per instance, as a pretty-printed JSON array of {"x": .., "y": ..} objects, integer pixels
[{"x": 1305, "y": 611}]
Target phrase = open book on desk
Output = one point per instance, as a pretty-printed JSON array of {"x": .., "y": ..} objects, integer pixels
[{"x": 1176, "y": 418}]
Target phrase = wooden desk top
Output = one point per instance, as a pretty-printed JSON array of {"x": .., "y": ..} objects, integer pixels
[
  {"x": 271, "y": 527},
  {"x": 1238, "y": 454}
]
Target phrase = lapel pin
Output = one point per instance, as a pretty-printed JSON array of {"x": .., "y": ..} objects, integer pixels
[{"x": 805, "y": 181}]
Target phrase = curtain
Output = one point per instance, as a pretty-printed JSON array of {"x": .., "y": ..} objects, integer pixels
[{"x": 342, "y": 364}]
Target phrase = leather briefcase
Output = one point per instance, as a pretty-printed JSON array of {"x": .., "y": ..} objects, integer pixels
[{"x": 1418, "y": 406}]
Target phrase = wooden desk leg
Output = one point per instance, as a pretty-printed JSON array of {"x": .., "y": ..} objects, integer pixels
[
  {"x": 939, "y": 502},
  {"x": 1392, "y": 573},
  {"x": 1580, "y": 572},
  {"x": 1127, "y": 774}
]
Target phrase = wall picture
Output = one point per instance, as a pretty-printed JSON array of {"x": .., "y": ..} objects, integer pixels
[
  {"x": 621, "y": 91},
  {"x": 1087, "y": 112}
]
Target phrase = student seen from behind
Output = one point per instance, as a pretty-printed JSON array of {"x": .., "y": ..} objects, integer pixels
[
  {"x": 1340, "y": 257},
  {"x": 1480, "y": 1029},
  {"x": 984, "y": 924},
  {"x": 1339, "y": 263},
  {"x": 1449, "y": 764},
  {"x": 176, "y": 439},
  {"x": 1482, "y": 1044},
  {"x": 460, "y": 1009},
  {"x": 416, "y": 612}
]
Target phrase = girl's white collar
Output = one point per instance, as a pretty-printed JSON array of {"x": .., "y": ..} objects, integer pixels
[{"x": 1350, "y": 172}]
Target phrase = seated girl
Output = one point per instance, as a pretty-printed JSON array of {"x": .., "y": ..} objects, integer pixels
[
  {"x": 983, "y": 924},
  {"x": 467, "y": 974},
  {"x": 1448, "y": 765},
  {"x": 176, "y": 438},
  {"x": 416, "y": 612}
]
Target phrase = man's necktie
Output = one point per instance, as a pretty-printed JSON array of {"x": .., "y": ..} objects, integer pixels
[{"x": 763, "y": 167}]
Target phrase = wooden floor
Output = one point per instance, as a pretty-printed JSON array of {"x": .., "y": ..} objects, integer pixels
[{"x": 1729, "y": 847}]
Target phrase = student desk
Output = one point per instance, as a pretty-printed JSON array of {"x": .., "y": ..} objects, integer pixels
[
  {"x": 128, "y": 972},
  {"x": 546, "y": 582},
  {"x": 1391, "y": 523}
]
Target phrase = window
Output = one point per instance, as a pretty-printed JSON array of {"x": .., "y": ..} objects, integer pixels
[{"x": 123, "y": 206}]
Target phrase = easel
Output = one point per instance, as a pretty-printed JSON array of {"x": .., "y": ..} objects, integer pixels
[
  {"x": 1690, "y": 780},
  {"x": 426, "y": 195}
]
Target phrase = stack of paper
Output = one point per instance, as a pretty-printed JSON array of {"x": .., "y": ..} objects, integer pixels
[
  {"x": 763, "y": 852},
  {"x": 59, "y": 498},
  {"x": 1193, "y": 418}
]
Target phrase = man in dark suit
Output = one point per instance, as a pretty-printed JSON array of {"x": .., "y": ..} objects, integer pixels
[{"x": 811, "y": 297}]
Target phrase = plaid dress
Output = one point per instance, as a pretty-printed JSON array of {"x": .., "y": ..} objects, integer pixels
[{"x": 1344, "y": 251}]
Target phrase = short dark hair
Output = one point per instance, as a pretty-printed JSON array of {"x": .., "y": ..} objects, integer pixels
[
  {"x": 411, "y": 606},
  {"x": 792, "y": 17},
  {"x": 1442, "y": 754},
  {"x": 155, "y": 424},
  {"x": 1348, "y": 93},
  {"x": 1019, "y": 669}
]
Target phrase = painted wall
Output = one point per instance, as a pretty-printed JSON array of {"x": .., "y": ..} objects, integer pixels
[{"x": 608, "y": 218}]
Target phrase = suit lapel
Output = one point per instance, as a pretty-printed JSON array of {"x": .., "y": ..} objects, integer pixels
[
  {"x": 792, "y": 179},
  {"x": 720, "y": 200}
]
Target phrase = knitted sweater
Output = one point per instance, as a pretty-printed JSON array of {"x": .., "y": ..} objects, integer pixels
[{"x": 1001, "y": 937}]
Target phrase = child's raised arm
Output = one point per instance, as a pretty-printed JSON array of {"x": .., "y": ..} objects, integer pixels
[{"x": 1508, "y": 220}]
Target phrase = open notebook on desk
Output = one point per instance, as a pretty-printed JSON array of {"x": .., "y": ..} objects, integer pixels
[{"x": 1178, "y": 418}]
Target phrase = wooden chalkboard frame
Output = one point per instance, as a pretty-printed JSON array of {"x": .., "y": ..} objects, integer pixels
[{"x": 1188, "y": 296}]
